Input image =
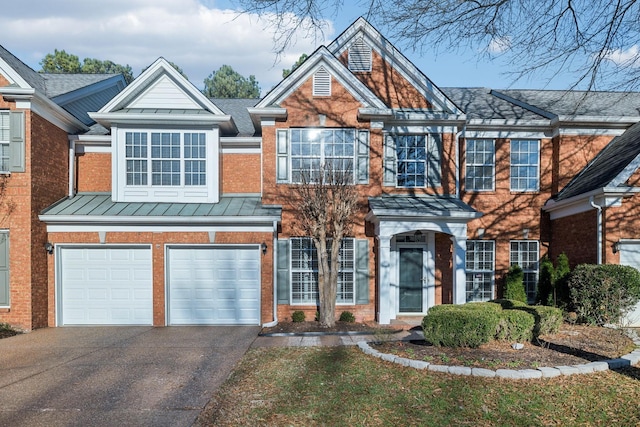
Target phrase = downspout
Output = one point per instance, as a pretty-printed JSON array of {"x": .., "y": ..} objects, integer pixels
[
  {"x": 457, "y": 158},
  {"x": 598, "y": 230},
  {"x": 274, "y": 250},
  {"x": 72, "y": 165}
]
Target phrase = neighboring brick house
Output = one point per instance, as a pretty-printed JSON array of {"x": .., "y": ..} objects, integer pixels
[
  {"x": 38, "y": 113},
  {"x": 180, "y": 206}
]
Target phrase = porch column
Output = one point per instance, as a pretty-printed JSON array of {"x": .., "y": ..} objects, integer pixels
[
  {"x": 459, "y": 273},
  {"x": 384, "y": 279}
]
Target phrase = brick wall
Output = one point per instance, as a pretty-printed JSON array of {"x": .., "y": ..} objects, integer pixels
[
  {"x": 93, "y": 172},
  {"x": 240, "y": 173}
]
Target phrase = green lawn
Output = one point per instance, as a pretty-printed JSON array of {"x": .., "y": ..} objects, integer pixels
[{"x": 341, "y": 386}]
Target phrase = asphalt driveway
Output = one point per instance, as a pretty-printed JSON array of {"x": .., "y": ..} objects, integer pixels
[{"x": 116, "y": 376}]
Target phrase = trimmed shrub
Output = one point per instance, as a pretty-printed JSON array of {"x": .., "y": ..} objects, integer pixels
[
  {"x": 508, "y": 304},
  {"x": 460, "y": 326},
  {"x": 546, "y": 281},
  {"x": 601, "y": 294},
  {"x": 514, "y": 284},
  {"x": 347, "y": 316},
  {"x": 515, "y": 325},
  {"x": 298, "y": 316},
  {"x": 548, "y": 319}
]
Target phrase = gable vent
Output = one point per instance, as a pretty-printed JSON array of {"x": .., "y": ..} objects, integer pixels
[
  {"x": 322, "y": 83},
  {"x": 360, "y": 56}
]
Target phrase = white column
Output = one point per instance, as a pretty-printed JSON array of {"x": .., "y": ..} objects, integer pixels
[
  {"x": 384, "y": 278},
  {"x": 459, "y": 275}
]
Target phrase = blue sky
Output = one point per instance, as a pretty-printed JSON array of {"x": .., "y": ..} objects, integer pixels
[{"x": 202, "y": 35}]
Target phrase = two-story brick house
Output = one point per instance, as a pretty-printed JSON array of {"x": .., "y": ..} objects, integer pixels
[
  {"x": 38, "y": 113},
  {"x": 179, "y": 207}
]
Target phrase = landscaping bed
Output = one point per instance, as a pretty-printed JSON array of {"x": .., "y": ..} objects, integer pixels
[{"x": 572, "y": 345}]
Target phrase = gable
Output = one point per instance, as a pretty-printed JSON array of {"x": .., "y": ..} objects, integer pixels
[
  {"x": 409, "y": 87},
  {"x": 164, "y": 93}
]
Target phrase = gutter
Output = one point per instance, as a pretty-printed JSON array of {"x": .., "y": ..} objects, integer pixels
[{"x": 598, "y": 228}]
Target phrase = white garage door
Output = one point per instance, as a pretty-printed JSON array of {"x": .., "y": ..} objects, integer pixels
[
  {"x": 630, "y": 255},
  {"x": 214, "y": 286},
  {"x": 105, "y": 286}
]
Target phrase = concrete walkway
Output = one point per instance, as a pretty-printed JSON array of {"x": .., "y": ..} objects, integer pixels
[
  {"x": 115, "y": 376},
  {"x": 333, "y": 340}
]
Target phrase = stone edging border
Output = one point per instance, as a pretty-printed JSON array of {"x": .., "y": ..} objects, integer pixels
[{"x": 513, "y": 374}]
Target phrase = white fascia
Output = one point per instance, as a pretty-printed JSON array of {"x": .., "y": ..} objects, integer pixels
[
  {"x": 266, "y": 115},
  {"x": 29, "y": 98},
  {"x": 605, "y": 197},
  {"x": 139, "y": 119}
]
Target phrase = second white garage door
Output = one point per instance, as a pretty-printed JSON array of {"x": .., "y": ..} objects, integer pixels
[
  {"x": 630, "y": 255},
  {"x": 213, "y": 285}
]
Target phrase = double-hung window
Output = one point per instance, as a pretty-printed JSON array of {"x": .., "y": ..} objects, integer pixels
[
  {"x": 412, "y": 160},
  {"x": 165, "y": 159},
  {"x": 304, "y": 272},
  {"x": 4, "y": 141},
  {"x": 525, "y": 165},
  {"x": 525, "y": 254},
  {"x": 480, "y": 265},
  {"x": 480, "y": 165}
]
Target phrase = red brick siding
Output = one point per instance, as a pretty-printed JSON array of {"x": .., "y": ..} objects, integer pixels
[
  {"x": 444, "y": 269},
  {"x": 240, "y": 173},
  {"x": 93, "y": 172},
  {"x": 576, "y": 236}
]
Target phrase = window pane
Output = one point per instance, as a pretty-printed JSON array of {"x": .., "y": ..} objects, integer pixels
[
  {"x": 525, "y": 254},
  {"x": 524, "y": 165},
  {"x": 480, "y": 165},
  {"x": 313, "y": 149}
]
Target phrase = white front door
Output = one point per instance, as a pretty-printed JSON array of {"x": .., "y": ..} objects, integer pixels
[
  {"x": 213, "y": 285},
  {"x": 103, "y": 285}
]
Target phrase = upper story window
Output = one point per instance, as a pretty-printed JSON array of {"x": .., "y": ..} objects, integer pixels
[
  {"x": 4, "y": 141},
  {"x": 360, "y": 56},
  {"x": 322, "y": 82},
  {"x": 480, "y": 165},
  {"x": 412, "y": 161},
  {"x": 165, "y": 158},
  {"x": 525, "y": 165},
  {"x": 165, "y": 165},
  {"x": 303, "y": 153}
]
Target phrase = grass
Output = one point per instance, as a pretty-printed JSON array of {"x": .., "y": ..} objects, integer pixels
[{"x": 342, "y": 386}]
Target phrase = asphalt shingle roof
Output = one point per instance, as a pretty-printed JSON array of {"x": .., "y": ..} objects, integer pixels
[
  {"x": 237, "y": 108},
  {"x": 480, "y": 103}
]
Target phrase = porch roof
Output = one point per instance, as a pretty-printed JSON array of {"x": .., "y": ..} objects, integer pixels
[{"x": 423, "y": 206}]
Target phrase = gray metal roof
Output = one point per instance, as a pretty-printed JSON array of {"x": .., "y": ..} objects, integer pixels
[
  {"x": 480, "y": 103},
  {"x": 237, "y": 108},
  {"x": 606, "y": 166},
  {"x": 100, "y": 205},
  {"x": 421, "y": 206},
  {"x": 581, "y": 103}
]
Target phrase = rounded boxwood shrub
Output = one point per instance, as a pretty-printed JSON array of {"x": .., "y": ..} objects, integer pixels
[
  {"x": 298, "y": 316},
  {"x": 460, "y": 325},
  {"x": 600, "y": 294},
  {"x": 347, "y": 316},
  {"x": 548, "y": 319},
  {"x": 515, "y": 325},
  {"x": 508, "y": 304}
]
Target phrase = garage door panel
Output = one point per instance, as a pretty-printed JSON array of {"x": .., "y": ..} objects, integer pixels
[
  {"x": 630, "y": 255},
  {"x": 106, "y": 286},
  {"x": 219, "y": 280}
]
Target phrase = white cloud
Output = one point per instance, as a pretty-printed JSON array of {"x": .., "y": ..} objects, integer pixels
[
  {"x": 625, "y": 57},
  {"x": 499, "y": 44},
  {"x": 197, "y": 37}
]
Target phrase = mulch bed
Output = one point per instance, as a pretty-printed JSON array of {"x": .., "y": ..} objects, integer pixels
[
  {"x": 572, "y": 345},
  {"x": 6, "y": 333}
]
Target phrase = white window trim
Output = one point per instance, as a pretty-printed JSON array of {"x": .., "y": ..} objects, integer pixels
[
  {"x": 483, "y": 271},
  {"x": 467, "y": 165},
  {"x": 511, "y": 165},
  {"x": 293, "y": 270},
  {"x": 122, "y": 192}
]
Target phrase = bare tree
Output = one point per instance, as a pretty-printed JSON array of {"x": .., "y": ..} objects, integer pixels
[
  {"x": 325, "y": 202},
  {"x": 598, "y": 41}
]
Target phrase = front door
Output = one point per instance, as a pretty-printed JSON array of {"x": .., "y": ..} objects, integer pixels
[{"x": 411, "y": 272}]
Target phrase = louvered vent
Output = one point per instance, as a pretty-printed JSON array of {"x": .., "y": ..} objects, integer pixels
[
  {"x": 322, "y": 83},
  {"x": 360, "y": 56}
]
